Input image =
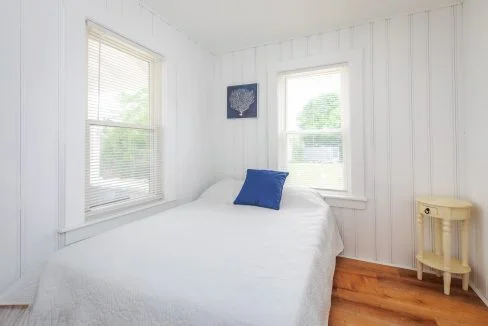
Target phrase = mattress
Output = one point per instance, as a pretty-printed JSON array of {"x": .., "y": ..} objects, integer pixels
[{"x": 208, "y": 262}]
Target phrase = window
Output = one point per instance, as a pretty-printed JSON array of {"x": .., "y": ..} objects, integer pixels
[
  {"x": 315, "y": 134},
  {"x": 316, "y": 126},
  {"x": 123, "y": 136}
]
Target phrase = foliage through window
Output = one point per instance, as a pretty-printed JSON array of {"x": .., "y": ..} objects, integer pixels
[
  {"x": 314, "y": 133},
  {"x": 123, "y": 154}
]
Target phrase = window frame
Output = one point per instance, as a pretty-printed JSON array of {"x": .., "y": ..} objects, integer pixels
[
  {"x": 354, "y": 197},
  {"x": 155, "y": 94},
  {"x": 343, "y": 69}
]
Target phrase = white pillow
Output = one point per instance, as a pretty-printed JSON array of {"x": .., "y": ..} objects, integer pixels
[
  {"x": 301, "y": 197},
  {"x": 223, "y": 192}
]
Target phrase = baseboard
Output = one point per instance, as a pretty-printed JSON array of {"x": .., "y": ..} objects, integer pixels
[
  {"x": 426, "y": 269},
  {"x": 476, "y": 290},
  {"x": 479, "y": 293},
  {"x": 380, "y": 263}
]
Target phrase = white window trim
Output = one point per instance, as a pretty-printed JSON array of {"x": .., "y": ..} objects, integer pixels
[
  {"x": 73, "y": 132},
  {"x": 355, "y": 196},
  {"x": 344, "y": 130},
  {"x": 156, "y": 112},
  {"x": 70, "y": 235}
]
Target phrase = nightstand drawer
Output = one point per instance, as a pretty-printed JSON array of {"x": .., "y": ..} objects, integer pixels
[{"x": 428, "y": 210}]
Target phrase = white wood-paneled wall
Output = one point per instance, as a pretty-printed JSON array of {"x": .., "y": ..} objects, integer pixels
[
  {"x": 42, "y": 86},
  {"x": 413, "y": 125},
  {"x": 475, "y": 179}
]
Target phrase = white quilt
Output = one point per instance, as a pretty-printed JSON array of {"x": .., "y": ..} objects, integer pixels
[{"x": 205, "y": 263}]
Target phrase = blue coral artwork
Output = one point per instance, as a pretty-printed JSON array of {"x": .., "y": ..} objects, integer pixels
[{"x": 242, "y": 101}]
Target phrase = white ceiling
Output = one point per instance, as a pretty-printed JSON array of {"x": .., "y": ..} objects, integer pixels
[{"x": 225, "y": 25}]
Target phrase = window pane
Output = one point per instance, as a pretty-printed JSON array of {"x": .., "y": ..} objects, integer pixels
[
  {"x": 313, "y": 101},
  {"x": 121, "y": 165},
  {"x": 316, "y": 160},
  {"x": 314, "y": 128},
  {"x": 118, "y": 85}
]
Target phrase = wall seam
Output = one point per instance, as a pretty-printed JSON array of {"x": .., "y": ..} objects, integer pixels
[
  {"x": 21, "y": 145},
  {"x": 352, "y": 36},
  {"x": 412, "y": 138},
  {"x": 388, "y": 121},
  {"x": 429, "y": 115},
  {"x": 373, "y": 110},
  {"x": 454, "y": 115},
  {"x": 61, "y": 118}
]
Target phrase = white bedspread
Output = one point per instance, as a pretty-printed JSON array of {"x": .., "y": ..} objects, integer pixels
[{"x": 204, "y": 263}]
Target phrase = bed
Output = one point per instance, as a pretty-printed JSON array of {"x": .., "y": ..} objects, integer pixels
[{"x": 208, "y": 262}]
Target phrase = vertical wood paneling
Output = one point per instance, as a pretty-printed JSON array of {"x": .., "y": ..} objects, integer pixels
[
  {"x": 227, "y": 137},
  {"x": 410, "y": 129},
  {"x": 261, "y": 135},
  {"x": 444, "y": 180},
  {"x": 346, "y": 39},
  {"x": 10, "y": 20},
  {"x": 250, "y": 126},
  {"x": 458, "y": 118},
  {"x": 401, "y": 148},
  {"x": 182, "y": 82},
  {"x": 340, "y": 225},
  {"x": 238, "y": 124},
  {"x": 381, "y": 135},
  {"x": 330, "y": 42},
  {"x": 441, "y": 101},
  {"x": 475, "y": 158},
  {"x": 300, "y": 48},
  {"x": 365, "y": 239},
  {"x": 314, "y": 45},
  {"x": 170, "y": 132},
  {"x": 217, "y": 123},
  {"x": 421, "y": 111},
  {"x": 468, "y": 24},
  {"x": 39, "y": 149},
  {"x": 273, "y": 54},
  {"x": 346, "y": 42},
  {"x": 349, "y": 229},
  {"x": 286, "y": 50}
]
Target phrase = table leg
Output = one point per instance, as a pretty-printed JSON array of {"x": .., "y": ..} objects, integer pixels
[
  {"x": 420, "y": 243},
  {"x": 438, "y": 239},
  {"x": 446, "y": 238},
  {"x": 465, "y": 255}
]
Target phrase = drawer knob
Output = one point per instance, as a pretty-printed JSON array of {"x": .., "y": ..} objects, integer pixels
[{"x": 427, "y": 211}]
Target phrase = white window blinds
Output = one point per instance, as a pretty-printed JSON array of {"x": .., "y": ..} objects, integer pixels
[
  {"x": 315, "y": 137},
  {"x": 123, "y": 150}
]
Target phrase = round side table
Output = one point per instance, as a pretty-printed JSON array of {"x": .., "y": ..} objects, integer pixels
[{"x": 444, "y": 211}]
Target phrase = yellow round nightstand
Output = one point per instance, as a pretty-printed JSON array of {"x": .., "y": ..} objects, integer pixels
[{"x": 444, "y": 210}]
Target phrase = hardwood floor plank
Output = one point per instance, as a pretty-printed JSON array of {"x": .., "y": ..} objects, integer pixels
[
  {"x": 378, "y": 316},
  {"x": 367, "y": 293}
]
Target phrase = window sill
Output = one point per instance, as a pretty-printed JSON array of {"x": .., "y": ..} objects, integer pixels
[
  {"x": 91, "y": 228},
  {"x": 345, "y": 201}
]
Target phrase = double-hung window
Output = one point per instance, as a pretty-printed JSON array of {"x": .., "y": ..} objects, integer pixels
[
  {"x": 315, "y": 141},
  {"x": 316, "y": 126},
  {"x": 123, "y": 124}
]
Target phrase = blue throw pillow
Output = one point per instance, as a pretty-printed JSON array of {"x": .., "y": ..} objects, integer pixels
[{"x": 262, "y": 188}]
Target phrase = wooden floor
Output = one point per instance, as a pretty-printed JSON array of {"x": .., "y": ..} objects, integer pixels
[{"x": 372, "y": 294}]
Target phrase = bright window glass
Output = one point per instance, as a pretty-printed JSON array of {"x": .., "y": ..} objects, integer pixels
[
  {"x": 123, "y": 152},
  {"x": 315, "y": 128}
]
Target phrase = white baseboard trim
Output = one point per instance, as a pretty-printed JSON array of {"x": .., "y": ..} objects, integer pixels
[
  {"x": 479, "y": 293},
  {"x": 476, "y": 290},
  {"x": 379, "y": 262}
]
